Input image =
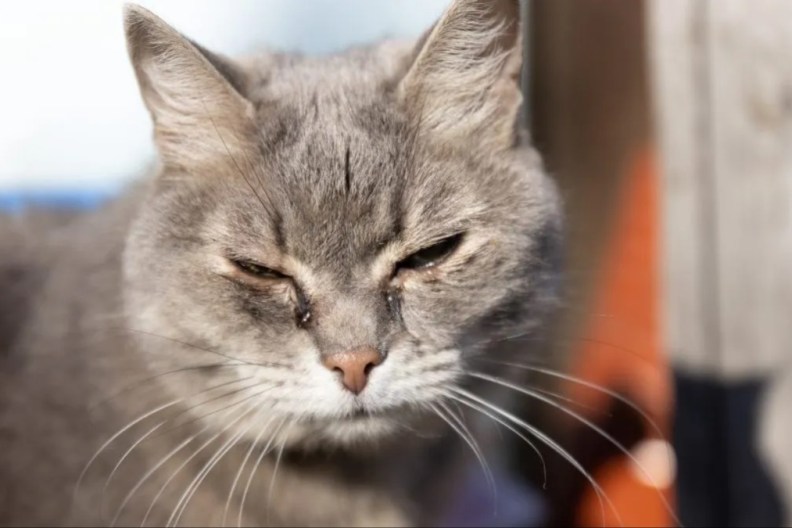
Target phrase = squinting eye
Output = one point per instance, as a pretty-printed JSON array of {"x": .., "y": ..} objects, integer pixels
[
  {"x": 432, "y": 255},
  {"x": 257, "y": 270}
]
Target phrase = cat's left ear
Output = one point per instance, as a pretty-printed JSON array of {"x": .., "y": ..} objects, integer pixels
[
  {"x": 194, "y": 97},
  {"x": 465, "y": 80}
]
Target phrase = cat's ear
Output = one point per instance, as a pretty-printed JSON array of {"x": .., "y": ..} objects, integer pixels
[
  {"x": 464, "y": 81},
  {"x": 194, "y": 96}
]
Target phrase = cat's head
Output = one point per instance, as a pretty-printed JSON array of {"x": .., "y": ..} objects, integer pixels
[{"x": 336, "y": 235}]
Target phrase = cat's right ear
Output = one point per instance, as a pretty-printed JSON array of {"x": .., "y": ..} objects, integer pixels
[
  {"x": 464, "y": 79},
  {"x": 200, "y": 116}
]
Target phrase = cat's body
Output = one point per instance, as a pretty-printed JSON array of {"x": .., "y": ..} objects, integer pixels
[{"x": 307, "y": 213}]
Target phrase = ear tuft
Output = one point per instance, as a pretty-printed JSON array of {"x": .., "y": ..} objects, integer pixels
[{"x": 464, "y": 82}]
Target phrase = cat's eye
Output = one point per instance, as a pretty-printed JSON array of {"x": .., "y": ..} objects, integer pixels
[
  {"x": 432, "y": 255},
  {"x": 257, "y": 270}
]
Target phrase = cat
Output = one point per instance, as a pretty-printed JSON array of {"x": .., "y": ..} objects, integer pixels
[{"x": 271, "y": 326}]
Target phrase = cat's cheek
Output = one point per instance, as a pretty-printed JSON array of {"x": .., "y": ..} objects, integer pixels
[
  {"x": 265, "y": 310},
  {"x": 411, "y": 314},
  {"x": 270, "y": 304},
  {"x": 427, "y": 315}
]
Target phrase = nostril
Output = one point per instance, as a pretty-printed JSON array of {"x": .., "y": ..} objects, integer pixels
[{"x": 368, "y": 368}]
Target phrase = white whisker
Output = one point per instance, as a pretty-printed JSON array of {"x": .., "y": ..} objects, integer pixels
[
  {"x": 184, "y": 500},
  {"x": 275, "y": 471},
  {"x": 461, "y": 429},
  {"x": 584, "y": 421},
  {"x": 567, "y": 399},
  {"x": 242, "y": 468},
  {"x": 150, "y": 472},
  {"x": 150, "y": 379},
  {"x": 162, "y": 462},
  {"x": 552, "y": 444},
  {"x": 140, "y": 440},
  {"x": 114, "y": 437},
  {"x": 195, "y": 419},
  {"x": 262, "y": 454},
  {"x": 593, "y": 386},
  {"x": 188, "y": 459},
  {"x": 507, "y": 426}
]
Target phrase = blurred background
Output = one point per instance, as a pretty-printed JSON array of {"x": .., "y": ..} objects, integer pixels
[
  {"x": 668, "y": 126},
  {"x": 72, "y": 119}
]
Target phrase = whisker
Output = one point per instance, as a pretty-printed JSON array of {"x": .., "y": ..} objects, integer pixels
[
  {"x": 187, "y": 461},
  {"x": 243, "y": 400},
  {"x": 144, "y": 381},
  {"x": 262, "y": 454},
  {"x": 510, "y": 337},
  {"x": 134, "y": 422},
  {"x": 552, "y": 444},
  {"x": 459, "y": 409},
  {"x": 610, "y": 347},
  {"x": 173, "y": 452},
  {"x": 137, "y": 442},
  {"x": 194, "y": 347},
  {"x": 195, "y": 419},
  {"x": 275, "y": 470},
  {"x": 461, "y": 429},
  {"x": 110, "y": 440},
  {"x": 567, "y": 399},
  {"x": 485, "y": 412},
  {"x": 584, "y": 421},
  {"x": 242, "y": 468},
  {"x": 618, "y": 348},
  {"x": 151, "y": 471},
  {"x": 593, "y": 386},
  {"x": 188, "y": 494},
  {"x": 199, "y": 348},
  {"x": 170, "y": 429}
]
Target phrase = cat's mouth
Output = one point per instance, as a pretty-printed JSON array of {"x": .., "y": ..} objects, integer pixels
[
  {"x": 360, "y": 425},
  {"x": 359, "y": 415}
]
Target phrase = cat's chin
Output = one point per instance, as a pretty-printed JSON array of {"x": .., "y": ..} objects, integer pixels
[
  {"x": 363, "y": 427},
  {"x": 354, "y": 430},
  {"x": 358, "y": 429}
]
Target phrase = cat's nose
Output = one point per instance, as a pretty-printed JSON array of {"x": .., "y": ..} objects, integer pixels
[{"x": 354, "y": 366}]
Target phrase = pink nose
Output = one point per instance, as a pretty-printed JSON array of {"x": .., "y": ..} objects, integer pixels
[{"x": 354, "y": 366}]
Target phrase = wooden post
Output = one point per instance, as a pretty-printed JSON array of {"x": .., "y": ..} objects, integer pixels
[
  {"x": 722, "y": 75},
  {"x": 723, "y": 86}
]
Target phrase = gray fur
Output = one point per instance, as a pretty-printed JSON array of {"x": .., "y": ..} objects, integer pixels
[{"x": 330, "y": 171}]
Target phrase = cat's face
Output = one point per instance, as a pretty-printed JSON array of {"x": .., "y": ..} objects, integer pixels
[{"x": 336, "y": 259}]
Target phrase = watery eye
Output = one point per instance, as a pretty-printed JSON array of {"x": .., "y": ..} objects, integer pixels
[
  {"x": 257, "y": 270},
  {"x": 432, "y": 255}
]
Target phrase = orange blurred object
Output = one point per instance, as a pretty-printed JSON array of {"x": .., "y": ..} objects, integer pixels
[{"x": 621, "y": 350}]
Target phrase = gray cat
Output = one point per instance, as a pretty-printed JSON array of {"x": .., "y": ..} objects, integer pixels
[{"x": 271, "y": 327}]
